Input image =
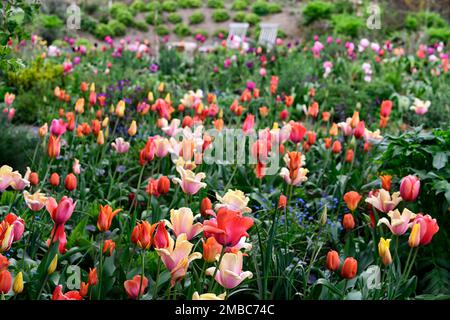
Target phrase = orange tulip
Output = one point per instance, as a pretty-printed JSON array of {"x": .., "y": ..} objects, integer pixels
[
  {"x": 352, "y": 199},
  {"x": 54, "y": 179},
  {"x": 132, "y": 287},
  {"x": 282, "y": 201},
  {"x": 70, "y": 182},
  {"x": 211, "y": 248},
  {"x": 163, "y": 185},
  {"x": 337, "y": 147},
  {"x": 54, "y": 146},
  {"x": 143, "y": 234},
  {"x": 386, "y": 182},
  {"x": 5, "y": 281},
  {"x": 108, "y": 247},
  {"x": 84, "y": 289},
  {"x": 333, "y": 261},
  {"x": 34, "y": 178},
  {"x": 349, "y": 268},
  {"x": 105, "y": 217},
  {"x": 92, "y": 278},
  {"x": 348, "y": 222}
]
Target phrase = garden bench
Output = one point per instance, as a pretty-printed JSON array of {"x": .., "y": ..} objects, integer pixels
[
  {"x": 268, "y": 34},
  {"x": 236, "y": 30}
]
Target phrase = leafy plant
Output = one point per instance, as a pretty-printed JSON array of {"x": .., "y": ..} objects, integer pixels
[
  {"x": 317, "y": 10},
  {"x": 220, "y": 15},
  {"x": 196, "y": 17}
]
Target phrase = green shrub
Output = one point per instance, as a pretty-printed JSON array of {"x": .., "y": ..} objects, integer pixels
[
  {"x": 51, "y": 21},
  {"x": 411, "y": 22},
  {"x": 150, "y": 19},
  {"x": 118, "y": 6},
  {"x": 239, "y": 5},
  {"x": 169, "y": 6},
  {"x": 88, "y": 24},
  {"x": 138, "y": 6},
  {"x": 125, "y": 17},
  {"x": 117, "y": 28},
  {"x": 197, "y": 17},
  {"x": 102, "y": 30},
  {"x": 182, "y": 30},
  {"x": 154, "y": 6},
  {"x": 189, "y": 4},
  {"x": 261, "y": 8},
  {"x": 141, "y": 25},
  {"x": 252, "y": 19},
  {"x": 215, "y": 4},
  {"x": 220, "y": 15},
  {"x": 174, "y": 18},
  {"x": 161, "y": 30},
  {"x": 239, "y": 16},
  {"x": 317, "y": 10},
  {"x": 83, "y": 42},
  {"x": 348, "y": 25},
  {"x": 343, "y": 6},
  {"x": 438, "y": 34},
  {"x": 274, "y": 8},
  {"x": 425, "y": 19}
]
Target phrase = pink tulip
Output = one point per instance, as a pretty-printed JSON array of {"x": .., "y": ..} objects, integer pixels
[
  {"x": 61, "y": 212},
  {"x": 409, "y": 188},
  {"x": 249, "y": 123},
  {"x": 9, "y": 99},
  {"x": 58, "y": 127},
  {"x": 399, "y": 222},
  {"x": 120, "y": 145},
  {"x": 182, "y": 221},
  {"x": 132, "y": 287},
  {"x": 230, "y": 272},
  {"x": 428, "y": 228},
  {"x": 190, "y": 182},
  {"x": 18, "y": 226}
]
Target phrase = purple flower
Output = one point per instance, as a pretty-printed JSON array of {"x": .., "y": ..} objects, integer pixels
[{"x": 154, "y": 68}]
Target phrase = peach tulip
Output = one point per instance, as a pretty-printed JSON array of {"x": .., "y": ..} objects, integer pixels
[
  {"x": 35, "y": 201},
  {"x": 182, "y": 221},
  {"x": 132, "y": 286},
  {"x": 230, "y": 272},
  {"x": 190, "y": 182},
  {"x": 383, "y": 201},
  {"x": 233, "y": 200},
  {"x": 399, "y": 223}
]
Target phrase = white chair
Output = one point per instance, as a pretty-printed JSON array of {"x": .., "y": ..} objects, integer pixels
[
  {"x": 268, "y": 34},
  {"x": 236, "y": 30}
]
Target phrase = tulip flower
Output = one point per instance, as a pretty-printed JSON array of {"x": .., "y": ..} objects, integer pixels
[
  {"x": 71, "y": 295},
  {"x": 348, "y": 222},
  {"x": 384, "y": 252},
  {"x": 208, "y": 296},
  {"x": 62, "y": 211},
  {"x": 228, "y": 227},
  {"x": 352, "y": 199},
  {"x": 162, "y": 146},
  {"x": 92, "y": 277},
  {"x": 76, "y": 167},
  {"x": 120, "y": 145},
  {"x": 152, "y": 188},
  {"x": 100, "y": 138},
  {"x": 386, "y": 182},
  {"x": 132, "y": 129},
  {"x": 249, "y": 124},
  {"x": 6, "y": 236},
  {"x": 233, "y": 200},
  {"x": 349, "y": 268},
  {"x": 163, "y": 185},
  {"x": 105, "y": 217},
  {"x": 414, "y": 237},
  {"x": 4, "y": 262},
  {"x": 58, "y": 234},
  {"x": 182, "y": 221},
  {"x": 70, "y": 182},
  {"x": 399, "y": 222},
  {"x": 18, "y": 225},
  {"x": 58, "y": 127},
  {"x": 18, "y": 283},
  {"x": 206, "y": 207},
  {"x": 142, "y": 234},
  {"x": 282, "y": 202},
  {"x": 54, "y": 179},
  {"x": 230, "y": 272},
  {"x": 34, "y": 178},
  {"x": 54, "y": 146},
  {"x": 108, "y": 247},
  {"x": 428, "y": 228},
  {"x": 333, "y": 261},
  {"x": 359, "y": 130},
  {"x": 53, "y": 264},
  {"x": 176, "y": 257},
  {"x": 132, "y": 286},
  {"x": 409, "y": 188},
  {"x": 383, "y": 201},
  {"x": 161, "y": 236},
  {"x": 190, "y": 182},
  {"x": 298, "y": 131},
  {"x": 336, "y": 147},
  {"x": 420, "y": 107},
  {"x": 84, "y": 289},
  {"x": 211, "y": 249},
  {"x": 5, "y": 281},
  {"x": 295, "y": 177}
]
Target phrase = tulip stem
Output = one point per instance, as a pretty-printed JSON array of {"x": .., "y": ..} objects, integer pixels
[
  {"x": 142, "y": 273},
  {"x": 217, "y": 267},
  {"x": 42, "y": 287},
  {"x": 100, "y": 270},
  {"x": 155, "y": 291},
  {"x": 412, "y": 263}
]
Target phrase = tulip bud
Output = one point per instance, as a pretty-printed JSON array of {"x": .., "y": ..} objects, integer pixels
[
  {"x": 414, "y": 237},
  {"x": 205, "y": 207},
  {"x": 34, "y": 178},
  {"x": 211, "y": 249},
  {"x": 163, "y": 185},
  {"x": 5, "y": 281},
  {"x": 337, "y": 147},
  {"x": 18, "y": 283},
  {"x": 53, "y": 265},
  {"x": 386, "y": 182},
  {"x": 92, "y": 278},
  {"x": 324, "y": 216},
  {"x": 84, "y": 289},
  {"x": 168, "y": 99},
  {"x": 333, "y": 261},
  {"x": 108, "y": 247},
  {"x": 348, "y": 222},
  {"x": 133, "y": 128},
  {"x": 384, "y": 252},
  {"x": 282, "y": 201},
  {"x": 43, "y": 130},
  {"x": 349, "y": 156},
  {"x": 349, "y": 268},
  {"x": 54, "y": 179},
  {"x": 70, "y": 182},
  {"x": 100, "y": 138},
  {"x": 409, "y": 188}
]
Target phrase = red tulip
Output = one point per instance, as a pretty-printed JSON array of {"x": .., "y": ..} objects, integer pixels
[
  {"x": 228, "y": 227},
  {"x": 54, "y": 179},
  {"x": 70, "y": 182},
  {"x": 54, "y": 146},
  {"x": 92, "y": 278},
  {"x": 428, "y": 228},
  {"x": 161, "y": 237},
  {"x": 333, "y": 261},
  {"x": 132, "y": 286},
  {"x": 297, "y": 132},
  {"x": 349, "y": 268},
  {"x": 62, "y": 211},
  {"x": 5, "y": 281},
  {"x": 108, "y": 247},
  {"x": 71, "y": 295},
  {"x": 282, "y": 202},
  {"x": 206, "y": 207},
  {"x": 348, "y": 222},
  {"x": 142, "y": 234},
  {"x": 163, "y": 185}
]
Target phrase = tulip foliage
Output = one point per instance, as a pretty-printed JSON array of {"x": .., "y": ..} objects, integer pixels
[{"x": 137, "y": 188}]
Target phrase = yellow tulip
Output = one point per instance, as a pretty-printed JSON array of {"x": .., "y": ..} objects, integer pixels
[
  {"x": 150, "y": 97},
  {"x": 384, "y": 252},
  {"x": 414, "y": 237},
  {"x": 133, "y": 128},
  {"x": 161, "y": 87},
  {"x": 120, "y": 109},
  {"x": 18, "y": 283},
  {"x": 100, "y": 138},
  {"x": 53, "y": 264}
]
